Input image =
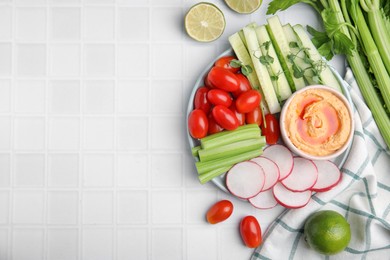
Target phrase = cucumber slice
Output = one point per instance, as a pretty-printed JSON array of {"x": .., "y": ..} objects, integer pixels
[
  {"x": 282, "y": 48},
  {"x": 300, "y": 54},
  {"x": 243, "y": 55},
  {"x": 261, "y": 70},
  {"x": 326, "y": 75},
  {"x": 280, "y": 83}
]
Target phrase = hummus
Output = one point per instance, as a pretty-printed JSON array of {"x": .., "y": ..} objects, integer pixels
[{"x": 317, "y": 122}]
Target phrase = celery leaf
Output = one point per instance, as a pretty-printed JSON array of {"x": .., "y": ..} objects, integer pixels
[{"x": 280, "y": 5}]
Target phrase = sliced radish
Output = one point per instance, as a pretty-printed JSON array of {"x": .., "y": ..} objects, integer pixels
[
  {"x": 329, "y": 176},
  {"x": 290, "y": 199},
  {"x": 245, "y": 179},
  {"x": 271, "y": 171},
  {"x": 283, "y": 158},
  {"x": 303, "y": 176},
  {"x": 264, "y": 200}
]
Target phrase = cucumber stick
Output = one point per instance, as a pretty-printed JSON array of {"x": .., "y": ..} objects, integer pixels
[
  {"x": 280, "y": 83},
  {"x": 326, "y": 75},
  {"x": 240, "y": 49},
  {"x": 282, "y": 48},
  {"x": 241, "y": 33},
  {"x": 243, "y": 56},
  {"x": 300, "y": 54},
  {"x": 261, "y": 70}
]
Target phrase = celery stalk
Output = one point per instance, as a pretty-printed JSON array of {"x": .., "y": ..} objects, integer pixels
[
  {"x": 207, "y": 176},
  {"x": 366, "y": 87},
  {"x": 195, "y": 150},
  {"x": 373, "y": 56},
  {"x": 378, "y": 29},
  {"x": 204, "y": 167},
  {"x": 231, "y": 149},
  {"x": 227, "y": 137}
]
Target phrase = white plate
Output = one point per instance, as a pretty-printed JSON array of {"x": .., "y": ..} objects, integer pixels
[{"x": 220, "y": 181}]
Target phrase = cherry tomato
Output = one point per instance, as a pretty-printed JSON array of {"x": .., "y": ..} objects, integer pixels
[
  {"x": 219, "y": 212},
  {"x": 254, "y": 117},
  {"x": 250, "y": 231},
  {"x": 225, "y": 117},
  {"x": 248, "y": 101},
  {"x": 219, "y": 97},
  {"x": 207, "y": 82},
  {"x": 201, "y": 101},
  {"x": 270, "y": 129},
  {"x": 213, "y": 126},
  {"x": 240, "y": 116},
  {"x": 224, "y": 62},
  {"x": 198, "y": 124},
  {"x": 223, "y": 79},
  {"x": 244, "y": 85}
]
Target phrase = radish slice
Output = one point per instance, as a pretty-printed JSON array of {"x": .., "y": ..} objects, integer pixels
[
  {"x": 303, "y": 176},
  {"x": 283, "y": 158},
  {"x": 329, "y": 176},
  {"x": 264, "y": 200},
  {"x": 290, "y": 199},
  {"x": 245, "y": 179},
  {"x": 271, "y": 171}
]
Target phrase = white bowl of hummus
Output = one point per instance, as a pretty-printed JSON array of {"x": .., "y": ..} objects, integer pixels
[{"x": 316, "y": 122}]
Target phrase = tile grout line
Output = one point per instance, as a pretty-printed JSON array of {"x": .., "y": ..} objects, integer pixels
[
  {"x": 150, "y": 148},
  {"x": 81, "y": 133},
  {"x": 115, "y": 167},
  {"x": 46, "y": 144},
  {"x": 12, "y": 137}
]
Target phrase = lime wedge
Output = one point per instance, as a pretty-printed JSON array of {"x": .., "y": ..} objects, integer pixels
[
  {"x": 204, "y": 22},
  {"x": 244, "y": 6}
]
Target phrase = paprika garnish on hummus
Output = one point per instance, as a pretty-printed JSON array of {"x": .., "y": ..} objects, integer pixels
[{"x": 317, "y": 122}]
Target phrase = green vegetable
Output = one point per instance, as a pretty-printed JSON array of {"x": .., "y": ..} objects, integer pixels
[
  {"x": 347, "y": 32},
  {"x": 218, "y": 152},
  {"x": 381, "y": 34},
  {"x": 270, "y": 59},
  {"x": 238, "y": 43},
  {"x": 208, "y": 176},
  {"x": 204, "y": 167},
  {"x": 226, "y": 137},
  {"x": 195, "y": 150},
  {"x": 225, "y": 151},
  {"x": 282, "y": 48},
  {"x": 261, "y": 70}
]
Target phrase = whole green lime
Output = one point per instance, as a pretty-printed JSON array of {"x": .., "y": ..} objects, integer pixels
[{"x": 327, "y": 232}]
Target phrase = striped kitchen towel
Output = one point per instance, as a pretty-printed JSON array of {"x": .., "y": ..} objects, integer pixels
[{"x": 363, "y": 197}]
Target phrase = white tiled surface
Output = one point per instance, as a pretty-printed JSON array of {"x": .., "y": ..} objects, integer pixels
[{"x": 94, "y": 162}]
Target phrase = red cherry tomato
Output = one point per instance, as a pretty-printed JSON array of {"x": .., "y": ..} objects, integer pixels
[
  {"x": 219, "y": 97},
  {"x": 225, "y": 117},
  {"x": 207, "y": 82},
  {"x": 270, "y": 129},
  {"x": 250, "y": 231},
  {"x": 240, "y": 116},
  {"x": 244, "y": 85},
  {"x": 223, "y": 79},
  {"x": 201, "y": 101},
  {"x": 254, "y": 117},
  {"x": 248, "y": 101},
  {"x": 198, "y": 124},
  {"x": 213, "y": 126},
  {"x": 224, "y": 62},
  {"x": 219, "y": 212}
]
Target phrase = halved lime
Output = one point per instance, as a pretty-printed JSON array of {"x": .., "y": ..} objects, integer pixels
[
  {"x": 204, "y": 22},
  {"x": 244, "y": 6}
]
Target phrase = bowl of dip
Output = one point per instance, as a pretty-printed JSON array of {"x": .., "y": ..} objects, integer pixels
[{"x": 316, "y": 122}]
